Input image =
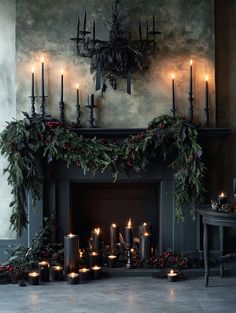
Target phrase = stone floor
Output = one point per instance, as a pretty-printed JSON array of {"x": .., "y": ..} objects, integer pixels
[{"x": 122, "y": 295}]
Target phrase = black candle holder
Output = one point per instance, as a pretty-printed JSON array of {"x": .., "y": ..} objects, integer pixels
[
  {"x": 32, "y": 106},
  {"x": 42, "y": 107},
  {"x": 62, "y": 111},
  {"x": 91, "y": 118},
  {"x": 207, "y": 117},
  {"x": 78, "y": 124},
  {"x": 191, "y": 98},
  {"x": 128, "y": 248}
]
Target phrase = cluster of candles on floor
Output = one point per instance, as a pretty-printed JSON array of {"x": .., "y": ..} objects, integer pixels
[
  {"x": 72, "y": 254},
  {"x": 91, "y": 104}
]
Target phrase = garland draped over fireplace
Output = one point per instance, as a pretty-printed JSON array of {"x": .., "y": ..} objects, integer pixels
[{"x": 23, "y": 141}]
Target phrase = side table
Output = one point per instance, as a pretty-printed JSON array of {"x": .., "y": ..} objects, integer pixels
[{"x": 221, "y": 219}]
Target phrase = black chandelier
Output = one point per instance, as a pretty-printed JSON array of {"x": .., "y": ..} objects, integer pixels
[{"x": 120, "y": 55}]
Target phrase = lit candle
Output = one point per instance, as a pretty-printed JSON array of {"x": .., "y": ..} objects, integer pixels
[
  {"x": 57, "y": 273},
  {"x": 112, "y": 260},
  {"x": 97, "y": 240},
  {"x": 43, "y": 94},
  {"x": 191, "y": 92},
  {"x": 44, "y": 271},
  {"x": 62, "y": 83},
  {"x": 129, "y": 234},
  {"x": 114, "y": 236},
  {"x": 173, "y": 95},
  {"x": 32, "y": 93},
  {"x": 145, "y": 245},
  {"x": 191, "y": 77},
  {"x": 222, "y": 198},
  {"x": 84, "y": 274},
  {"x": 172, "y": 276},
  {"x": 77, "y": 96},
  {"x": 97, "y": 272},
  {"x": 73, "y": 278},
  {"x": 33, "y": 278},
  {"x": 71, "y": 253},
  {"x": 94, "y": 258}
]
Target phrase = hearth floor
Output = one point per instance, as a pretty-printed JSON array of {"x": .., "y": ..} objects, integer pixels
[{"x": 122, "y": 295}]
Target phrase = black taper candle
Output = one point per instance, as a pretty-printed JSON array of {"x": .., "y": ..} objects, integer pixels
[
  {"x": 145, "y": 245},
  {"x": 114, "y": 236},
  {"x": 147, "y": 31},
  {"x": 32, "y": 92},
  {"x": 173, "y": 96},
  {"x": 85, "y": 21},
  {"x": 78, "y": 106},
  {"x": 206, "y": 102},
  {"x": 62, "y": 85},
  {"x": 129, "y": 234},
  {"x": 140, "y": 32},
  {"x": 98, "y": 75},
  {"x": 94, "y": 32},
  {"x": 42, "y": 107},
  {"x": 191, "y": 92},
  {"x": 78, "y": 29},
  {"x": 129, "y": 83},
  {"x": 71, "y": 253}
]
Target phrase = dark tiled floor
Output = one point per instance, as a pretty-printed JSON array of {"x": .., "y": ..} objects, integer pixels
[{"x": 122, "y": 295}]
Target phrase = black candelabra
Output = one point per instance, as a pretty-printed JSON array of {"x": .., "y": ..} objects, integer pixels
[
  {"x": 119, "y": 56},
  {"x": 91, "y": 107}
]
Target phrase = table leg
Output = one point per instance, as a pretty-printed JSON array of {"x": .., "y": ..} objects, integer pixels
[
  {"x": 221, "y": 230},
  {"x": 206, "y": 253}
]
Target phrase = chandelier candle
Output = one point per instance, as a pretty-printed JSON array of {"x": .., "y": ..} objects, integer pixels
[
  {"x": 173, "y": 95},
  {"x": 191, "y": 92},
  {"x": 94, "y": 258},
  {"x": 33, "y": 278},
  {"x": 114, "y": 236},
  {"x": 44, "y": 271},
  {"x": 71, "y": 253},
  {"x": 97, "y": 240},
  {"x": 42, "y": 107},
  {"x": 57, "y": 273},
  {"x": 129, "y": 234},
  {"x": 78, "y": 106},
  {"x": 84, "y": 274},
  {"x": 145, "y": 245},
  {"x": 73, "y": 278},
  {"x": 207, "y": 101}
]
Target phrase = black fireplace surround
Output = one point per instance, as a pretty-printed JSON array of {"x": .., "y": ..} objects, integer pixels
[{"x": 82, "y": 202}]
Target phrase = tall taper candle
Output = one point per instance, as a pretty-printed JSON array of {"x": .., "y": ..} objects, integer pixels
[
  {"x": 191, "y": 77},
  {"x": 129, "y": 234},
  {"x": 78, "y": 30},
  {"x": 206, "y": 101},
  {"x": 94, "y": 32},
  {"x": 71, "y": 253},
  {"x": 32, "y": 93},
  {"x": 62, "y": 85},
  {"x": 173, "y": 95},
  {"x": 85, "y": 20},
  {"x": 43, "y": 94},
  {"x": 191, "y": 92}
]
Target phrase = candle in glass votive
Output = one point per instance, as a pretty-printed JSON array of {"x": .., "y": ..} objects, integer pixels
[
  {"x": 44, "y": 271},
  {"x": 57, "y": 273},
  {"x": 129, "y": 234},
  {"x": 172, "y": 276},
  {"x": 114, "y": 236},
  {"x": 84, "y": 274},
  {"x": 73, "y": 278},
  {"x": 97, "y": 272},
  {"x": 33, "y": 278},
  {"x": 112, "y": 260},
  {"x": 94, "y": 258},
  {"x": 71, "y": 253},
  {"x": 222, "y": 198}
]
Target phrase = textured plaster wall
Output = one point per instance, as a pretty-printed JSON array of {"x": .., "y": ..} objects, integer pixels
[
  {"x": 45, "y": 26},
  {"x": 7, "y": 99}
]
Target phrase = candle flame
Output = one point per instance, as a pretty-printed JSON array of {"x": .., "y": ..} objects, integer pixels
[
  {"x": 73, "y": 275},
  {"x": 222, "y": 195},
  {"x": 58, "y": 267},
  {"x": 129, "y": 223},
  {"x": 171, "y": 271},
  {"x": 77, "y": 86},
  {"x": 94, "y": 253},
  {"x": 97, "y": 231},
  {"x": 191, "y": 62},
  {"x": 96, "y": 268},
  {"x": 84, "y": 270},
  {"x": 42, "y": 59},
  {"x": 33, "y": 274},
  {"x": 112, "y": 256},
  {"x": 113, "y": 225},
  {"x": 44, "y": 263},
  {"x": 173, "y": 76},
  {"x": 71, "y": 235},
  {"x": 62, "y": 71},
  {"x": 206, "y": 78},
  {"x": 32, "y": 69},
  {"x": 146, "y": 234}
]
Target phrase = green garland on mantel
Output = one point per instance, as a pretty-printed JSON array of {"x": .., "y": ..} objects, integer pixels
[{"x": 23, "y": 141}]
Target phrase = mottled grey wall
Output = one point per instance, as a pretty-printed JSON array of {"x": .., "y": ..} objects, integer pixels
[
  {"x": 45, "y": 26},
  {"x": 7, "y": 99}
]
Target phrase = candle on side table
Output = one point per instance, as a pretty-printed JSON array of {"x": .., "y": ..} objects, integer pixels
[
  {"x": 33, "y": 278},
  {"x": 44, "y": 271},
  {"x": 73, "y": 278},
  {"x": 172, "y": 276}
]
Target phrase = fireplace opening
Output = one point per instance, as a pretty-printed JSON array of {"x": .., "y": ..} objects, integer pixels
[{"x": 101, "y": 204}]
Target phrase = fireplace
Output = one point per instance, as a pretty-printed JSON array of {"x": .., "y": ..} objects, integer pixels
[{"x": 99, "y": 205}]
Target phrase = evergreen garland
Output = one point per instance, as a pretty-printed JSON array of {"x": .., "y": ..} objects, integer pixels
[{"x": 23, "y": 141}]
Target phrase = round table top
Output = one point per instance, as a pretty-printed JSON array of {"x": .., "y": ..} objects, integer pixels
[{"x": 212, "y": 217}]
